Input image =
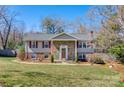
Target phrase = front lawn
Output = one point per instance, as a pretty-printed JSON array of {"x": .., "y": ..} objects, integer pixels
[{"x": 17, "y": 74}]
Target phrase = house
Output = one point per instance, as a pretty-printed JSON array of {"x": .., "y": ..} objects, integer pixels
[{"x": 63, "y": 46}]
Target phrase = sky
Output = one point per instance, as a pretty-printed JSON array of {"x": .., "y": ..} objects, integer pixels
[{"x": 33, "y": 15}]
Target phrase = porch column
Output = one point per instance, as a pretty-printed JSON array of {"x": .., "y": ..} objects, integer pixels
[
  {"x": 51, "y": 49},
  {"x": 26, "y": 49},
  {"x": 75, "y": 50}
]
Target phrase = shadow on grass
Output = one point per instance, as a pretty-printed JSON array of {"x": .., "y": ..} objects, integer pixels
[
  {"x": 5, "y": 76},
  {"x": 43, "y": 74},
  {"x": 36, "y": 74},
  {"x": 14, "y": 71}
]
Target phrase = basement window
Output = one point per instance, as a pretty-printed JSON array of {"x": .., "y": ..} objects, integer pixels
[
  {"x": 46, "y": 55},
  {"x": 33, "y": 56},
  {"x": 79, "y": 55}
]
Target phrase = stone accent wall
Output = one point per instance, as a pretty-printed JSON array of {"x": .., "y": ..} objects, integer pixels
[{"x": 71, "y": 47}]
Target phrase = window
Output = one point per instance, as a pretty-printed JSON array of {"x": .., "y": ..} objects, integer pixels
[
  {"x": 46, "y": 44},
  {"x": 46, "y": 55},
  {"x": 83, "y": 56},
  {"x": 84, "y": 45},
  {"x": 79, "y": 55},
  {"x": 33, "y": 56},
  {"x": 79, "y": 44},
  {"x": 33, "y": 44}
]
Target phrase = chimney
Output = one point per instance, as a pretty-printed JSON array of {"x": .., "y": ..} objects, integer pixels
[
  {"x": 91, "y": 35},
  {"x": 91, "y": 38},
  {"x": 91, "y": 32}
]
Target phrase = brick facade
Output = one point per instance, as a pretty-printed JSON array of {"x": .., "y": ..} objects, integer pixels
[{"x": 39, "y": 56}]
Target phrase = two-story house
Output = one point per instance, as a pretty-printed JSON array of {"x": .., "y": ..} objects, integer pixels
[{"x": 63, "y": 46}]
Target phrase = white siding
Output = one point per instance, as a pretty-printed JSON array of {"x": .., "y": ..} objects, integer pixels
[
  {"x": 85, "y": 50},
  {"x": 36, "y": 50}
]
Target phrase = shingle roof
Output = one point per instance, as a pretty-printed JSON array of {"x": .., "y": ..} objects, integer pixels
[
  {"x": 44, "y": 36},
  {"x": 37, "y": 36},
  {"x": 80, "y": 36}
]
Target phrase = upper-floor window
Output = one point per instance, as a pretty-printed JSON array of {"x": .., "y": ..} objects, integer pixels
[
  {"x": 33, "y": 44},
  {"x": 84, "y": 45},
  {"x": 45, "y": 44},
  {"x": 79, "y": 44}
]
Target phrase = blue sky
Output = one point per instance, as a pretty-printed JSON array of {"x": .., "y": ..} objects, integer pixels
[{"x": 32, "y": 15}]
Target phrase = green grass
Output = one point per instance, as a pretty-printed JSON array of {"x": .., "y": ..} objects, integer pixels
[{"x": 17, "y": 74}]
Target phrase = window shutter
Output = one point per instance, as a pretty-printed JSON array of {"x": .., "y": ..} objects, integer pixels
[
  {"x": 77, "y": 44},
  {"x": 43, "y": 44},
  {"x": 29, "y": 44},
  {"x": 36, "y": 44},
  {"x": 49, "y": 44}
]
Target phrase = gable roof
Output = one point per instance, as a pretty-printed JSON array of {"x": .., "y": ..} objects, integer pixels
[
  {"x": 44, "y": 36},
  {"x": 64, "y": 36},
  {"x": 80, "y": 36}
]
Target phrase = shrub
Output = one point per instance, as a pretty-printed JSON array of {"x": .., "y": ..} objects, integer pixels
[
  {"x": 52, "y": 59},
  {"x": 96, "y": 59},
  {"x": 118, "y": 52},
  {"x": 21, "y": 53}
]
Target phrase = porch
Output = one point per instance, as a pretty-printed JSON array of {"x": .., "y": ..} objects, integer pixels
[{"x": 64, "y": 50}]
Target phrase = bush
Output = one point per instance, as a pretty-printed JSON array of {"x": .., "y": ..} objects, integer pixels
[
  {"x": 52, "y": 59},
  {"x": 96, "y": 59},
  {"x": 118, "y": 52},
  {"x": 21, "y": 53}
]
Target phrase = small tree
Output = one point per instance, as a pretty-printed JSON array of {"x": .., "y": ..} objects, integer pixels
[
  {"x": 52, "y": 59},
  {"x": 21, "y": 53}
]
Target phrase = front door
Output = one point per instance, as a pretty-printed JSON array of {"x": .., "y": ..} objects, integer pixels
[{"x": 63, "y": 53}]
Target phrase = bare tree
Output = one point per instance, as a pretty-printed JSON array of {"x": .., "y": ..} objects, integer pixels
[
  {"x": 107, "y": 17},
  {"x": 16, "y": 36},
  {"x": 52, "y": 25},
  {"x": 6, "y": 25}
]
